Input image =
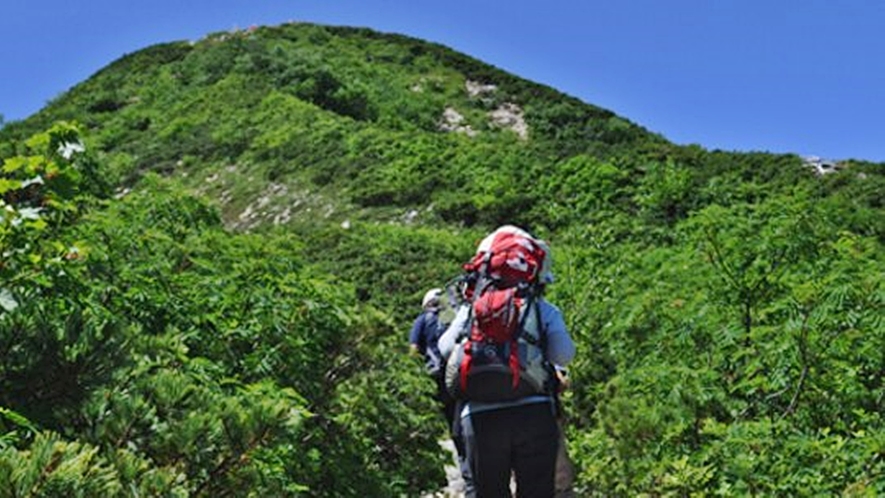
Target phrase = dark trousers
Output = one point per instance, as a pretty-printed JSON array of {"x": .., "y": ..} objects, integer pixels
[
  {"x": 522, "y": 439},
  {"x": 451, "y": 409}
]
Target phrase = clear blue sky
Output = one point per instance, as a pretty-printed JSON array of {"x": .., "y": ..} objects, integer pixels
[{"x": 800, "y": 76}]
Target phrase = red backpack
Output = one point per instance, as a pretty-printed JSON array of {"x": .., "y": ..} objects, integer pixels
[{"x": 501, "y": 355}]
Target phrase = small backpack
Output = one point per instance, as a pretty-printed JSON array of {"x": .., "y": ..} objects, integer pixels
[
  {"x": 500, "y": 354},
  {"x": 435, "y": 363}
]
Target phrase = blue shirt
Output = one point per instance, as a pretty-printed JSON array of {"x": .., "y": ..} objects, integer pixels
[{"x": 425, "y": 335}]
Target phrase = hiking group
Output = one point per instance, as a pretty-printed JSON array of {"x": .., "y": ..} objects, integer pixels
[{"x": 497, "y": 350}]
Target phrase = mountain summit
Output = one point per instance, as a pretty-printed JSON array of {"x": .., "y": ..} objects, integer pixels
[{"x": 276, "y": 121}]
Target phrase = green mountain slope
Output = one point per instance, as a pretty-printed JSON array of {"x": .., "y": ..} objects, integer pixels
[
  {"x": 213, "y": 296},
  {"x": 317, "y": 112}
]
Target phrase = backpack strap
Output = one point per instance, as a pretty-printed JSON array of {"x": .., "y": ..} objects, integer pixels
[
  {"x": 530, "y": 302},
  {"x": 533, "y": 303},
  {"x": 541, "y": 342}
]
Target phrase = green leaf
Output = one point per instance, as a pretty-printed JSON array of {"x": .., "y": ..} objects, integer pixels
[
  {"x": 17, "y": 419},
  {"x": 13, "y": 164},
  {"x": 7, "y": 184}
]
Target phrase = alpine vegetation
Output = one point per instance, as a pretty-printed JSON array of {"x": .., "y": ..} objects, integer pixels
[{"x": 212, "y": 253}]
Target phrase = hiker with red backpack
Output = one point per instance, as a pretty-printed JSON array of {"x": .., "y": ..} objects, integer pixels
[{"x": 501, "y": 349}]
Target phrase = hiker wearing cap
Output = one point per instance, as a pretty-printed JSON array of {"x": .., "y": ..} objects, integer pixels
[
  {"x": 425, "y": 331},
  {"x": 423, "y": 340}
]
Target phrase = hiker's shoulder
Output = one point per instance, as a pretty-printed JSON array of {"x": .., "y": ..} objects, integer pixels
[{"x": 547, "y": 307}]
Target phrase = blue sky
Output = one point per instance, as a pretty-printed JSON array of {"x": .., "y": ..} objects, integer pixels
[{"x": 797, "y": 76}]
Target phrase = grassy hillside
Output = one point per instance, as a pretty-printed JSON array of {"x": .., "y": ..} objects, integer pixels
[
  {"x": 341, "y": 121},
  {"x": 212, "y": 297}
]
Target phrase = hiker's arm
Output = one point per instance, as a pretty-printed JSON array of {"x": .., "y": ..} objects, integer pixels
[
  {"x": 562, "y": 377},
  {"x": 560, "y": 347},
  {"x": 415, "y": 339},
  {"x": 450, "y": 336}
]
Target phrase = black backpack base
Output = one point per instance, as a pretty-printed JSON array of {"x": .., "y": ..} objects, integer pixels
[{"x": 490, "y": 379}]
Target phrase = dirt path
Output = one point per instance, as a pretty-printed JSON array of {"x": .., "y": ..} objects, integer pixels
[
  {"x": 565, "y": 475},
  {"x": 455, "y": 486}
]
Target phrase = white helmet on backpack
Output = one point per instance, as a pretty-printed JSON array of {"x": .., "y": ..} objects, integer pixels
[{"x": 545, "y": 275}]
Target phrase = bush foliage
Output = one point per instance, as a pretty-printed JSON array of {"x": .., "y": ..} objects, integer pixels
[{"x": 212, "y": 253}]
